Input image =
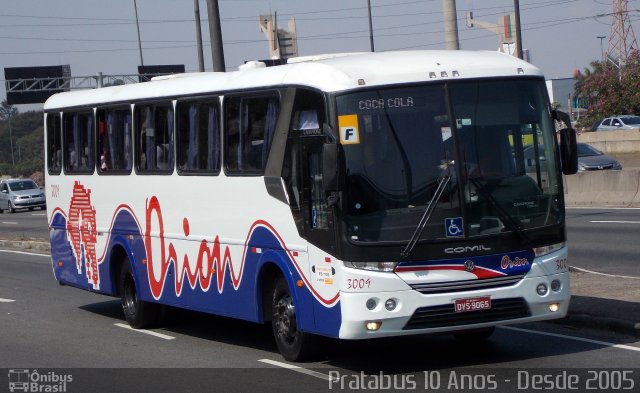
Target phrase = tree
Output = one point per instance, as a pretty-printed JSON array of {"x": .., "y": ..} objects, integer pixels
[
  {"x": 8, "y": 112},
  {"x": 607, "y": 90},
  {"x": 25, "y": 130}
]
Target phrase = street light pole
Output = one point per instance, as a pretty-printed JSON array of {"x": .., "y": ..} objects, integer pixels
[
  {"x": 135, "y": 7},
  {"x": 601, "y": 37},
  {"x": 370, "y": 26},
  {"x": 196, "y": 10}
]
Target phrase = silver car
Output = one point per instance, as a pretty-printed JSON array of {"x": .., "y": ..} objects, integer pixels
[
  {"x": 628, "y": 122},
  {"x": 592, "y": 159},
  {"x": 21, "y": 194}
]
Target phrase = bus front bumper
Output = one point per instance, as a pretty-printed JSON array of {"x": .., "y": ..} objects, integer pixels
[{"x": 417, "y": 313}]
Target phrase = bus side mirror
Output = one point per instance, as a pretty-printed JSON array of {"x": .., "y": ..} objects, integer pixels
[
  {"x": 568, "y": 151},
  {"x": 330, "y": 166}
]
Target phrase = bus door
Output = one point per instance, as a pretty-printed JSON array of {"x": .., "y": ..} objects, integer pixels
[
  {"x": 310, "y": 205},
  {"x": 319, "y": 231}
]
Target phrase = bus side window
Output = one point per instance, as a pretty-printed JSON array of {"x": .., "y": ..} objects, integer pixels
[
  {"x": 198, "y": 137},
  {"x": 114, "y": 141},
  {"x": 250, "y": 122},
  {"x": 154, "y": 133},
  {"x": 78, "y": 146},
  {"x": 54, "y": 144}
]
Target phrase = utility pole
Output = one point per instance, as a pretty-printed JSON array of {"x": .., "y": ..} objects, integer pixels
[
  {"x": 516, "y": 6},
  {"x": 450, "y": 24},
  {"x": 196, "y": 10},
  {"x": 370, "y": 26},
  {"x": 135, "y": 7},
  {"x": 215, "y": 32}
]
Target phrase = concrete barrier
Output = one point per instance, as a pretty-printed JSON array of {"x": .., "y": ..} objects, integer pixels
[
  {"x": 613, "y": 142},
  {"x": 603, "y": 188}
]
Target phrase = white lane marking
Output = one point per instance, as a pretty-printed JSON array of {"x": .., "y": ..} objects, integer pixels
[
  {"x": 26, "y": 253},
  {"x": 586, "y": 340},
  {"x": 297, "y": 369},
  {"x": 615, "y": 222},
  {"x": 149, "y": 332},
  {"x": 10, "y": 222},
  {"x": 6, "y": 300},
  {"x": 603, "y": 274}
]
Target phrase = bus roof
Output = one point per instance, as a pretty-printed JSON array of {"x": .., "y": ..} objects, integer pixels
[{"x": 330, "y": 73}]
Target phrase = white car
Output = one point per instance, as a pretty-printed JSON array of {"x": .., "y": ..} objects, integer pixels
[
  {"x": 614, "y": 123},
  {"x": 21, "y": 194}
]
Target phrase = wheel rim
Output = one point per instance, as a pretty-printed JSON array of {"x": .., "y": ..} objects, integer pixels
[{"x": 285, "y": 319}]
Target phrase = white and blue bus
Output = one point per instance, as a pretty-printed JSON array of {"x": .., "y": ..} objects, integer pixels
[{"x": 351, "y": 196}]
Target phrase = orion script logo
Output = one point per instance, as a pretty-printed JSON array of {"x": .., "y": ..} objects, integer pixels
[{"x": 25, "y": 380}]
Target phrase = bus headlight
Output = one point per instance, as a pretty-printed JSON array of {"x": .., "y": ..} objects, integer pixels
[
  {"x": 373, "y": 266},
  {"x": 390, "y": 304},
  {"x": 544, "y": 250},
  {"x": 541, "y": 289}
]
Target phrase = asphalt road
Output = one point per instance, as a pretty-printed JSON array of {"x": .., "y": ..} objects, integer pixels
[
  {"x": 604, "y": 240},
  {"x": 24, "y": 224},
  {"x": 45, "y": 326}
]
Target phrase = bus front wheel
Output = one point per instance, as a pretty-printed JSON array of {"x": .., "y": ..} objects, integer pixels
[
  {"x": 293, "y": 344},
  {"x": 139, "y": 314}
]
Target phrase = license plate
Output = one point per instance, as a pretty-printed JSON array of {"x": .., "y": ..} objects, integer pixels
[{"x": 473, "y": 304}]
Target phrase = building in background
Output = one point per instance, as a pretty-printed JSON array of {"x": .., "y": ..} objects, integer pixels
[{"x": 562, "y": 96}]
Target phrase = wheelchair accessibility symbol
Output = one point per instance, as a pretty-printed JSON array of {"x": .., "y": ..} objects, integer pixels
[{"x": 454, "y": 227}]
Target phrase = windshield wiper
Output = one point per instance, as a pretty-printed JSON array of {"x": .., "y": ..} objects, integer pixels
[
  {"x": 507, "y": 218},
  {"x": 408, "y": 248}
]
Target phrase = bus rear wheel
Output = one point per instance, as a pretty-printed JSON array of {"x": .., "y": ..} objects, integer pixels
[
  {"x": 293, "y": 344},
  {"x": 139, "y": 314}
]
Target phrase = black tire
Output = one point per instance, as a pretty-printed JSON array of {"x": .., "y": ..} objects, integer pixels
[
  {"x": 293, "y": 344},
  {"x": 139, "y": 314},
  {"x": 476, "y": 336},
  {"x": 11, "y": 208}
]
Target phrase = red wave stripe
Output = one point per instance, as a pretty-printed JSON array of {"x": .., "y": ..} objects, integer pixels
[{"x": 480, "y": 272}]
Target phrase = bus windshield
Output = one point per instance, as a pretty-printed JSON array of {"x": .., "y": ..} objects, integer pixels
[{"x": 490, "y": 142}]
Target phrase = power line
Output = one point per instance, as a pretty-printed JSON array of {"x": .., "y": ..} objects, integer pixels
[
  {"x": 534, "y": 26},
  {"x": 252, "y": 19},
  {"x": 326, "y": 36},
  {"x": 403, "y": 26}
]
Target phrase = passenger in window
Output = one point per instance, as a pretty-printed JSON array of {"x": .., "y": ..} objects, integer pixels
[
  {"x": 103, "y": 161},
  {"x": 73, "y": 159}
]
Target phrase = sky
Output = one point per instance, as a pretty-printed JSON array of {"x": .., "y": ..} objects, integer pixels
[{"x": 100, "y": 36}]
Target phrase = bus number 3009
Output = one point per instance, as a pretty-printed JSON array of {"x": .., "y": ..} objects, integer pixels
[{"x": 358, "y": 283}]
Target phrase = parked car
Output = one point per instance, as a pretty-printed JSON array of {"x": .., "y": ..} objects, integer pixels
[
  {"x": 592, "y": 159},
  {"x": 625, "y": 122},
  {"x": 20, "y": 194}
]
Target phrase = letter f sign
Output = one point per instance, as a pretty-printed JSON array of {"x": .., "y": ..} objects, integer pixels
[{"x": 349, "y": 129}]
